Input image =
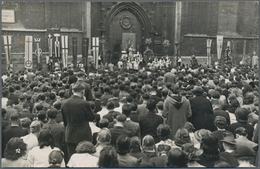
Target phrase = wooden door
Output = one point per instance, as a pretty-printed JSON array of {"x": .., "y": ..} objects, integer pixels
[{"x": 124, "y": 22}]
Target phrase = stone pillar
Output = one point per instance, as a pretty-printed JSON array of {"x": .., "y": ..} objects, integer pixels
[
  {"x": 86, "y": 22},
  {"x": 177, "y": 30}
]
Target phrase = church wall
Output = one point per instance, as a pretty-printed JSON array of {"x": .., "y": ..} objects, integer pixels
[{"x": 197, "y": 18}]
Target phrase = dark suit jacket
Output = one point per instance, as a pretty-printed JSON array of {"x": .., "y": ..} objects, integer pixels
[
  {"x": 88, "y": 94},
  {"x": 202, "y": 114},
  {"x": 133, "y": 127},
  {"x": 77, "y": 114},
  {"x": 116, "y": 132},
  {"x": 148, "y": 125}
]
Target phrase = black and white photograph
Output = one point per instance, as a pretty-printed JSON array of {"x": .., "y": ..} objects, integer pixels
[{"x": 118, "y": 84}]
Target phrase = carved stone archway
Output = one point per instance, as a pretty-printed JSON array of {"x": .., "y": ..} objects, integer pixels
[{"x": 134, "y": 8}]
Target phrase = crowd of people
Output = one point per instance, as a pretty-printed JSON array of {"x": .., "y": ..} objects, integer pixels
[{"x": 151, "y": 117}]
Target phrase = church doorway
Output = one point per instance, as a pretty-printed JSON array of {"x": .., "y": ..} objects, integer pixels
[{"x": 125, "y": 31}]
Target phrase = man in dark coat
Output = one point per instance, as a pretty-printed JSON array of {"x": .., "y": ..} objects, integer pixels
[
  {"x": 202, "y": 111},
  {"x": 13, "y": 131},
  {"x": 77, "y": 114},
  {"x": 81, "y": 78},
  {"x": 150, "y": 121},
  {"x": 118, "y": 129}
]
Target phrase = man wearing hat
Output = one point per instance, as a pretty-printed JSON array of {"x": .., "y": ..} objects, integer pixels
[
  {"x": 229, "y": 145},
  {"x": 81, "y": 77},
  {"x": 77, "y": 114},
  {"x": 202, "y": 111}
]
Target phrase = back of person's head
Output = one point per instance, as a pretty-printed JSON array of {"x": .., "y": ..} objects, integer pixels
[
  {"x": 241, "y": 114},
  {"x": 57, "y": 105},
  {"x": 241, "y": 131},
  {"x": 151, "y": 105},
  {"x": 52, "y": 96},
  {"x": 39, "y": 107},
  {"x": 135, "y": 144},
  {"x": 115, "y": 114},
  {"x": 42, "y": 97},
  {"x": 134, "y": 106},
  {"x": 129, "y": 99},
  {"x": 11, "y": 89},
  {"x": 189, "y": 126},
  {"x": 103, "y": 123},
  {"x": 249, "y": 98},
  {"x": 110, "y": 105},
  {"x": 36, "y": 126},
  {"x": 41, "y": 115},
  {"x": 145, "y": 162},
  {"x": 121, "y": 118},
  {"x": 176, "y": 158},
  {"x": 115, "y": 93},
  {"x": 15, "y": 117},
  {"x": 122, "y": 144},
  {"x": 85, "y": 147},
  {"x": 146, "y": 96},
  {"x": 220, "y": 122},
  {"x": 106, "y": 89},
  {"x": 15, "y": 148},
  {"x": 126, "y": 109},
  {"x": 56, "y": 157},
  {"x": 210, "y": 147},
  {"x": 25, "y": 122},
  {"x": 108, "y": 157},
  {"x": 182, "y": 136},
  {"x": 5, "y": 92},
  {"x": 148, "y": 143},
  {"x": 104, "y": 136},
  {"x": 46, "y": 139},
  {"x": 163, "y": 131},
  {"x": 52, "y": 113}
]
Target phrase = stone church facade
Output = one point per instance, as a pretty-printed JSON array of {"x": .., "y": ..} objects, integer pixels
[{"x": 120, "y": 24}]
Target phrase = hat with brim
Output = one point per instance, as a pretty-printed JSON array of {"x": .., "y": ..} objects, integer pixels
[
  {"x": 199, "y": 134},
  {"x": 229, "y": 138},
  {"x": 197, "y": 90}
]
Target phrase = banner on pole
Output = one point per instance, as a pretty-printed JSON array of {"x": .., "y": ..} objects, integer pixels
[
  {"x": 28, "y": 62},
  {"x": 95, "y": 45},
  {"x": 7, "y": 46},
  {"x": 219, "y": 45},
  {"x": 64, "y": 50},
  {"x": 74, "y": 52},
  {"x": 209, "y": 41},
  {"x": 50, "y": 48}
]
